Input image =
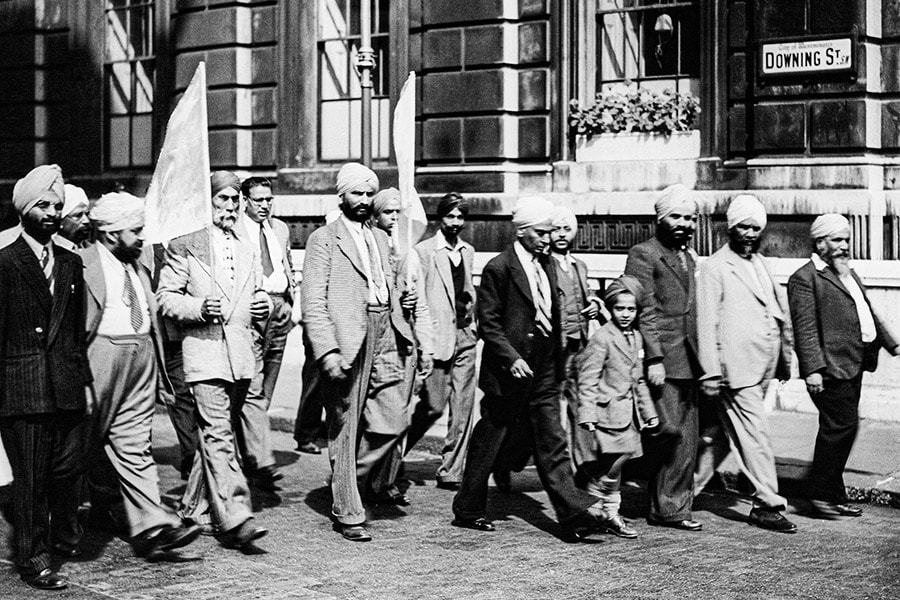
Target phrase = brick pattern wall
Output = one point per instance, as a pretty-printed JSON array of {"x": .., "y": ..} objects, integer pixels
[{"x": 237, "y": 39}]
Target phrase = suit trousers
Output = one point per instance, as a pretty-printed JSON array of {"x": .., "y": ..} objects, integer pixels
[
  {"x": 742, "y": 413},
  {"x": 309, "y": 412},
  {"x": 252, "y": 428},
  {"x": 838, "y": 405},
  {"x": 217, "y": 490},
  {"x": 125, "y": 384},
  {"x": 671, "y": 482},
  {"x": 47, "y": 454},
  {"x": 538, "y": 405},
  {"x": 451, "y": 382},
  {"x": 345, "y": 402},
  {"x": 181, "y": 406}
]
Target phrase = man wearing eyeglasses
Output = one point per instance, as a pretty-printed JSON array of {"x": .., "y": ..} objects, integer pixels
[{"x": 271, "y": 238}]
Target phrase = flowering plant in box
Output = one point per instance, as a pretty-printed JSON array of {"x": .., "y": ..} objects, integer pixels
[{"x": 626, "y": 108}]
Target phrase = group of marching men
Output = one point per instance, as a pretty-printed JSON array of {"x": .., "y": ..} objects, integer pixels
[{"x": 93, "y": 333}]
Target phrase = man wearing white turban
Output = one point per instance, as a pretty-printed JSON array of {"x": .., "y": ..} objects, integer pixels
[
  {"x": 210, "y": 285},
  {"x": 44, "y": 375},
  {"x": 743, "y": 333},
  {"x": 125, "y": 352},
  {"x": 75, "y": 226},
  {"x": 353, "y": 321},
  {"x": 838, "y": 336},
  {"x": 665, "y": 265},
  {"x": 522, "y": 366}
]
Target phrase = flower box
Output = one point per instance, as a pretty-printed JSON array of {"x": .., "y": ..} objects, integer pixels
[{"x": 607, "y": 147}]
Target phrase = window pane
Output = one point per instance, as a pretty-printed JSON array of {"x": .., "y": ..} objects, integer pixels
[
  {"x": 334, "y": 130},
  {"x": 332, "y": 19},
  {"x": 143, "y": 86},
  {"x": 141, "y": 33},
  {"x": 381, "y": 128},
  {"x": 334, "y": 69},
  {"x": 142, "y": 140},
  {"x": 116, "y": 36},
  {"x": 118, "y": 83},
  {"x": 119, "y": 142}
]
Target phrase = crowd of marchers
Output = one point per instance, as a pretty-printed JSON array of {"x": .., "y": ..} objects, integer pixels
[{"x": 96, "y": 329}]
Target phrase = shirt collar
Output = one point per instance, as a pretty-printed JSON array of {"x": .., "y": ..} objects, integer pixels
[
  {"x": 524, "y": 255},
  {"x": 36, "y": 246},
  {"x": 564, "y": 259},
  {"x": 351, "y": 225},
  {"x": 817, "y": 262}
]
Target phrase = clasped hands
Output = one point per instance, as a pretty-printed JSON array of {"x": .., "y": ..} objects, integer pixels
[{"x": 211, "y": 309}]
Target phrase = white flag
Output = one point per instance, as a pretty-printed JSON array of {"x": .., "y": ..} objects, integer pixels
[
  {"x": 178, "y": 199},
  {"x": 413, "y": 221}
]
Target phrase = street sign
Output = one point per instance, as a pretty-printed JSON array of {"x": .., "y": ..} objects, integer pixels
[{"x": 807, "y": 57}]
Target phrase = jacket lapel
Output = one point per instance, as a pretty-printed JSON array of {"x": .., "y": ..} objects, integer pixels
[
  {"x": 442, "y": 263},
  {"x": 668, "y": 259},
  {"x": 740, "y": 276},
  {"x": 622, "y": 344},
  {"x": 31, "y": 270},
  {"x": 581, "y": 269},
  {"x": 93, "y": 274},
  {"x": 831, "y": 277},
  {"x": 63, "y": 288},
  {"x": 519, "y": 278},
  {"x": 346, "y": 245}
]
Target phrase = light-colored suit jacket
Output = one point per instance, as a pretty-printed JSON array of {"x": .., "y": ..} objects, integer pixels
[
  {"x": 439, "y": 292},
  {"x": 212, "y": 350},
  {"x": 335, "y": 293},
  {"x": 734, "y": 337},
  {"x": 95, "y": 284},
  {"x": 611, "y": 386}
]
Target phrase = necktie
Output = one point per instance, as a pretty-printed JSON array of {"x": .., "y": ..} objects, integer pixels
[
  {"x": 542, "y": 303},
  {"x": 375, "y": 266},
  {"x": 130, "y": 298},
  {"x": 682, "y": 258},
  {"x": 46, "y": 267},
  {"x": 264, "y": 252}
]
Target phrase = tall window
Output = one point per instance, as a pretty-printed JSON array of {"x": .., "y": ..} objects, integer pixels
[
  {"x": 340, "y": 129},
  {"x": 653, "y": 43},
  {"x": 129, "y": 69}
]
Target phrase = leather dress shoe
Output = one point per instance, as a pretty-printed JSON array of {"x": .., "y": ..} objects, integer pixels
[
  {"x": 156, "y": 542},
  {"x": 824, "y": 509},
  {"x": 448, "y": 485},
  {"x": 616, "y": 525},
  {"x": 846, "y": 510},
  {"x": 266, "y": 478},
  {"x": 354, "y": 533},
  {"x": 242, "y": 535},
  {"x": 771, "y": 519},
  {"x": 479, "y": 524},
  {"x": 391, "y": 497},
  {"x": 45, "y": 580},
  {"x": 585, "y": 528},
  {"x": 308, "y": 448},
  {"x": 684, "y": 524},
  {"x": 65, "y": 550}
]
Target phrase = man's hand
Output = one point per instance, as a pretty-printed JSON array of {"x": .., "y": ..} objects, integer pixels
[
  {"x": 90, "y": 398},
  {"x": 592, "y": 311},
  {"x": 408, "y": 299},
  {"x": 814, "y": 384},
  {"x": 334, "y": 366},
  {"x": 425, "y": 366},
  {"x": 520, "y": 369},
  {"x": 710, "y": 387},
  {"x": 259, "y": 308},
  {"x": 656, "y": 374},
  {"x": 211, "y": 308}
]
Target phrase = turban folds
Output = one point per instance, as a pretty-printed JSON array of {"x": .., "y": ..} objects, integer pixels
[
  {"x": 746, "y": 208},
  {"x": 221, "y": 180},
  {"x": 531, "y": 211},
  {"x": 672, "y": 198},
  {"x": 565, "y": 216},
  {"x": 383, "y": 198},
  {"x": 829, "y": 225},
  {"x": 626, "y": 284},
  {"x": 75, "y": 198},
  {"x": 38, "y": 182},
  {"x": 117, "y": 211},
  {"x": 352, "y": 176},
  {"x": 451, "y": 201}
]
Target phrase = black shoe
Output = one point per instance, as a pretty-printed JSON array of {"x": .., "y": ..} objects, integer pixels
[
  {"x": 308, "y": 448},
  {"x": 240, "y": 536},
  {"x": 770, "y": 519},
  {"x": 266, "y": 478},
  {"x": 391, "y": 497},
  {"x": 448, "y": 485},
  {"x": 479, "y": 524},
  {"x": 156, "y": 542},
  {"x": 824, "y": 509},
  {"x": 684, "y": 524},
  {"x": 45, "y": 580},
  {"x": 845, "y": 510},
  {"x": 65, "y": 550},
  {"x": 585, "y": 528},
  {"x": 353, "y": 533},
  {"x": 616, "y": 525}
]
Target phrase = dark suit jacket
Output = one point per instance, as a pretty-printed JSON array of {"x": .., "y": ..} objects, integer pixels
[
  {"x": 668, "y": 317},
  {"x": 584, "y": 291},
  {"x": 826, "y": 327},
  {"x": 506, "y": 321},
  {"x": 43, "y": 353}
]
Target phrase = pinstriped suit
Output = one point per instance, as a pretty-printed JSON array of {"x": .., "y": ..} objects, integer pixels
[{"x": 43, "y": 373}]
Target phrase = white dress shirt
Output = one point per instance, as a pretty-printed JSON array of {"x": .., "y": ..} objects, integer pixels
[
  {"x": 863, "y": 312},
  {"x": 537, "y": 278},
  {"x": 116, "y": 319},
  {"x": 39, "y": 249},
  {"x": 376, "y": 295},
  {"x": 277, "y": 283}
]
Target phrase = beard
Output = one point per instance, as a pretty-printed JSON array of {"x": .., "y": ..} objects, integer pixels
[
  {"x": 840, "y": 264},
  {"x": 126, "y": 254},
  {"x": 359, "y": 213}
]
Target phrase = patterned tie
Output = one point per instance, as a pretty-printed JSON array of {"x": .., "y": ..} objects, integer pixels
[
  {"x": 45, "y": 266},
  {"x": 542, "y": 314},
  {"x": 130, "y": 298},
  {"x": 266, "y": 256},
  {"x": 375, "y": 266}
]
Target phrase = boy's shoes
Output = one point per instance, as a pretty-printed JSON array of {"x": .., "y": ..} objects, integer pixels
[
  {"x": 771, "y": 519},
  {"x": 616, "y": 525}
]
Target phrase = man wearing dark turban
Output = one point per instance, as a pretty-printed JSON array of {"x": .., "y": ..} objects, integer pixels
[
  {"x": 664, "y": 265},
  {"x": 210, "y": 285},
  {"x": 43, "y": 378},
  {"x": 352, "y": 317}
]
